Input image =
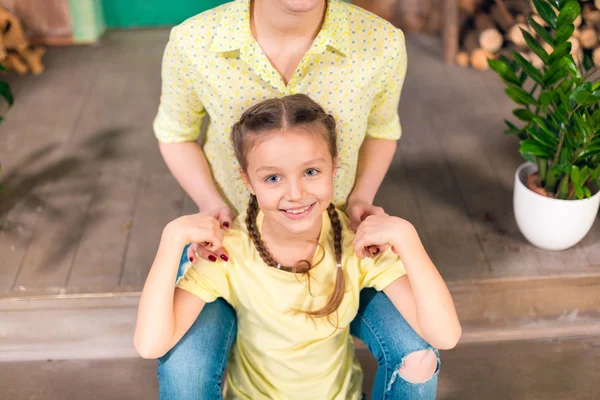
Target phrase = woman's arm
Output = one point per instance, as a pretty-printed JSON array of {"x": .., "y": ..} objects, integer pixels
[
  {"x": 166, "y": 313},
  {"x": 421, "y": 296}
]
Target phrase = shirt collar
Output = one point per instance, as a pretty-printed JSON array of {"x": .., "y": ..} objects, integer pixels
[{"x": 234, "y": 28}]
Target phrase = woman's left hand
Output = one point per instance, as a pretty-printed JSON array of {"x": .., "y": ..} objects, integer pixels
[{"x": 358, "y": 211}]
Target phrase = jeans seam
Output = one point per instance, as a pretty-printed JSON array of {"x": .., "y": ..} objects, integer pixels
[
  {"x": 224, "y": 360},
  {"x": 382, "y": 349}
]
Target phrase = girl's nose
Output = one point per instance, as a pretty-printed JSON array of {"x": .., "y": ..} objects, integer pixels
[{"x": 295, "y": 190}]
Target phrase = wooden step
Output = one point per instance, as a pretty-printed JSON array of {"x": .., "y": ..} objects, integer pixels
[{"x": 97, "y": 326}]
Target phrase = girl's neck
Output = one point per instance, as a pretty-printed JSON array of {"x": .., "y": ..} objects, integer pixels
[
  {"x": 271, "y": 21},
  {"x": 277, "y": 236}
]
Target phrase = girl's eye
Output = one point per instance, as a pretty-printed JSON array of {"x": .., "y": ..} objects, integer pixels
[
  {"x": 311, "y": 172},
  {"x": 272, "y": 179}
]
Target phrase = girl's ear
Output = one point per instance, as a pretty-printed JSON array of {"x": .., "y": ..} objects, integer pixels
[{"x": 246, "y": 181}]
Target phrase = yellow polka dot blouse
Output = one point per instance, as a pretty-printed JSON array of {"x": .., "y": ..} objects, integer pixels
[{"x": 213, "y": 66}]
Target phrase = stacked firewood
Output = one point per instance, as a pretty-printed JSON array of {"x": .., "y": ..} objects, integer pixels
[
  {"x": 411, "y": 16},
  {"x": 16, "y": 53},
  {"x": 493, "y": 27}
]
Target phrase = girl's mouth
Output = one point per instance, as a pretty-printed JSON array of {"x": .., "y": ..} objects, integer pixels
[{"x": 298, "y": 212}]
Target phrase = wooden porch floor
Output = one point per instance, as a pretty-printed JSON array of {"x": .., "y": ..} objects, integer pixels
[{"x": 87, "y": 193}]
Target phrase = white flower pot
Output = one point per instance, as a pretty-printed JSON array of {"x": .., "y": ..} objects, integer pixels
[{"x": 547, "y": 223}]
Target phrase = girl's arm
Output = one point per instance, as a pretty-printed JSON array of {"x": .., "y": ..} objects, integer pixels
[
  {"x": 421, "y": 296},
  {"x": 166, "y": 313}
]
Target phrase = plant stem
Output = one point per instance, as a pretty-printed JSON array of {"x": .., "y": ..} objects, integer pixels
[
  {"x": 563, "y": 187},
  {"x": 542, "y": 168},
  {"x": 558, "y": 149}
]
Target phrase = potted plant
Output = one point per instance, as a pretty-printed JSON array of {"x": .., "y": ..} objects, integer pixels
[{"x": 556, "y": 195}]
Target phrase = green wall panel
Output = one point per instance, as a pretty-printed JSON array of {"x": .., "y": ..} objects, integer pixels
[{"x": 141, "y": 13}]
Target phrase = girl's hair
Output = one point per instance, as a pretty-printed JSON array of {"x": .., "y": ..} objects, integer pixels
[{"x": 256, "y": 123}]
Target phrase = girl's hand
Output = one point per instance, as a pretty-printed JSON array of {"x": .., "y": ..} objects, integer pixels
[
  {"x": 225, "y": 216},
  {"x": 379, "y": 230},
  {"x": 202, "y": 229}
]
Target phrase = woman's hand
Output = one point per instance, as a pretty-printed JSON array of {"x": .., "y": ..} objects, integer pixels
[
  {"x": 379, "y": 230},
  {"x": 202, "y": 229},
  {"x": 358, "y": 211},
  {"x": 224, "y": 216}
]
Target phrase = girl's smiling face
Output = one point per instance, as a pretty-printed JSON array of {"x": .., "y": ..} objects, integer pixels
[{"x": 291, "y": 173}]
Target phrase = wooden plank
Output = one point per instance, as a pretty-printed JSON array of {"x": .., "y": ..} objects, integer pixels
[
  {"x": 473, "y": 148},
  {"x": 160, "y": 199},
  {"x": 98, "y": 264},
  {"x": 36, "y": 166},
  {"x": 454, "y": 245},
  {"x": 31, "y": 332}
]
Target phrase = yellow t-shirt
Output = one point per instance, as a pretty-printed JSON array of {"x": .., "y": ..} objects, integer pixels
[
  {"x": 280, "y": 353},
  {"x": 213, "y": 66}
]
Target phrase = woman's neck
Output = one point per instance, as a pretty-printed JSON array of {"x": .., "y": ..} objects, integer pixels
[{"x": 270, "y": 19}]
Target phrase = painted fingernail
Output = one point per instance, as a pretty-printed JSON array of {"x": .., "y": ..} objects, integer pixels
[
  {"x": 225, "y": 224},
  {"x": 212, "y": 258},
  {"x": 224, "y": 257},
  {"x": 191, "y": 259}
]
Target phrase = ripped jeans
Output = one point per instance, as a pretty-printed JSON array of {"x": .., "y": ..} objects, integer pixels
[{"x": 194, "y": 367}]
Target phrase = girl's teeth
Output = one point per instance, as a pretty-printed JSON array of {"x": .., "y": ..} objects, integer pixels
[{"x": 298, "y": 211}]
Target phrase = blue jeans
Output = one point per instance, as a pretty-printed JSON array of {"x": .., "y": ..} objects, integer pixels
[{"x": 194, "y": 368}]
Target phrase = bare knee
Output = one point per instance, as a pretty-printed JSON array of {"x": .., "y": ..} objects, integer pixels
[{"x": 419, "y": 367}]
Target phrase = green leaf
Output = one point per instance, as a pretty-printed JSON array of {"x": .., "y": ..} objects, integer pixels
[
  {"x": 541, "y": 137},
  {"x": 524, "y": 114},
  {"x": 540, "y": 30},
  {"x": 505, "y": 70},
  {"x": 550, "y": 138},
  {"x": 575, "y": 175},
  {"x": 582, "y": 127},
  {"x": 549, "y": 97},
  {"x": 519, "y": 95},
  {"x": 584, "y": 87},
  {"x": 512, "y": 129},
  {"x": 565, "y": 86},
  {"x": 559, "y": 69},
  {"x": 6, "y": 93},
  {"x": 595, "y": 120},
  {"x": 3, "y": 68},
  {"x": 563, "y": 33},
  {"x": 546, "y": 12},
  {"x": 587, "y": 192},
  {"x": 535, "y": 148},
  {"x": 559, "y": 4},
  {"x": 586, "y": 99},
  {"x": 534, "y": 45},
  {"x": 568, "y": 13},
  {"x": 590, "y": 151},
  {"x": 559, "y": 52},
  {"x": 531, "y": 71},
  {"x": 555, "y": 73}
]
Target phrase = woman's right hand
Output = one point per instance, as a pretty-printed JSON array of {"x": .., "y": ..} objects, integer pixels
[
  {"x": 224, "y": 216},
  {"x": 202, "y": 230}
]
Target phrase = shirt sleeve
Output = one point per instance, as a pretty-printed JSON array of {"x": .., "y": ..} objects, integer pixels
[
  {"x": 207, "y": 280},
  {"x": 180, "y": 113},
  {"x": 383, "y": 121},
  {"x": 378, "y": 272}
]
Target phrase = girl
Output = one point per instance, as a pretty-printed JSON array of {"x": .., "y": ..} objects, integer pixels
[{"x": 295, "y": 268}]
